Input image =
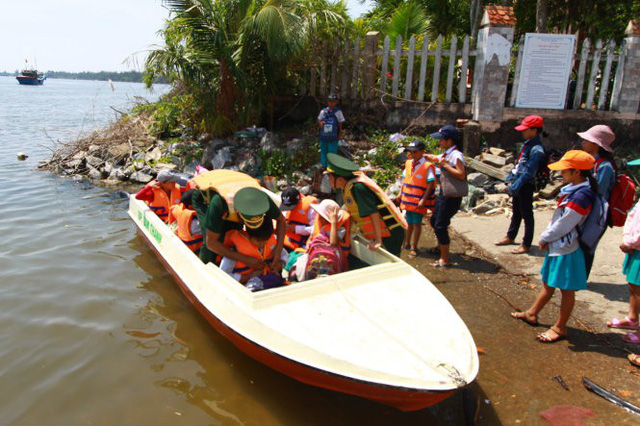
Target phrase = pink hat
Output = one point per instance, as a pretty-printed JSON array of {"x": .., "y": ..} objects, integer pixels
[
  {"x": 325, "y": 207},
  {"x": 601, "y": 135}
]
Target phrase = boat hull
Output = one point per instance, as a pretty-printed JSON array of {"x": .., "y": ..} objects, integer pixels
[
  {"x": 30, "y": 81},
  {"x": 402, "y": 399}
]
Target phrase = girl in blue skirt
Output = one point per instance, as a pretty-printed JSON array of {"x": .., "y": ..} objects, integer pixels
[
  {"x": 631, "y": 269},
  {"x": 564, "y": 264}
]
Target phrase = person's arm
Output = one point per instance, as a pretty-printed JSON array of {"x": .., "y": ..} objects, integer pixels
[
  {"x": 561, "y": 227},
  {"x": 216, "y": 246},
  {"x": 146, "y": 193},
  {"x": 529, "y": 170},
  {"x": 281, "y": 227},
  {"x": 606, "y": 178},
  {"x": 458, "y": 172},
  {"x": 376, "y": 243}
]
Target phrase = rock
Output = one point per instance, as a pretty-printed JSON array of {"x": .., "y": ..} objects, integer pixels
[
  {"x": 107, "y": 168},
  {"x": 94, "y": 173},
  {"x": 372, "y": 152},
  {"x": 306, "y": 190},
  {"x": 154, "y": 155},
  {"x": 294, "y": 145},
  {"x": 73, "y": 164},
  {"x": 191, "y": 167},
  {"x": 394, "y": 190},
  {"x": 552, "y": 189},
  {"x": 498, "y": 151},
  {"x": 501, "y": 188},
  {"x": 140, "y": 177},
  {"x": 501, "y": 200},
  {"x": 510, "y": 159},
  {"x": 508, "y": 168},
  {"x": 269, "y": 142},
  {"x": 247, "y": 163},
  {"x": 222, "y": 158},
  {"x": 94, "y": 162},
  {"x": 80, "y": 155},
  {"x": 282, "y": 184},
  {"x": 118, "y": 173},
  {"x": 493, "y": 160},
  {"x": 478, "y": 179},
  {"x": 93, "y": 149},
  {"x": 119, "y": 151},
  {"x": 325, "y": 185},
  {"x": 484, "y": 207},
  {"x": 165, "y": 166}
]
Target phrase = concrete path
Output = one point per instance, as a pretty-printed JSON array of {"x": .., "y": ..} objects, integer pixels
[{"x": 607, "y": 295}]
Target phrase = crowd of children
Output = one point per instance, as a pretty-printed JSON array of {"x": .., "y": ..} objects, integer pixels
[{"x": 227, "y": 218}]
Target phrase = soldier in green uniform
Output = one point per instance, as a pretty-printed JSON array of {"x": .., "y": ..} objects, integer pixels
[{"x": 378, "y": 219}]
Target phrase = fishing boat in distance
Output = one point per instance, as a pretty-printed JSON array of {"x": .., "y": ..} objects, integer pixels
[
  {"x": 381, "y": 332},
  {"x": 30, "y": 76}
]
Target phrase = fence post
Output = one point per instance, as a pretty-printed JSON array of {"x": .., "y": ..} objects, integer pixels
[
  {"x": 491, "y": 74},
  {"x": 628, "y": 99},
  {"x": 370, "y": 67}
]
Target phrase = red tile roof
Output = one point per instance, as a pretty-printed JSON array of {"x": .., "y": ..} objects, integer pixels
[{"x": 501, "y": 15}]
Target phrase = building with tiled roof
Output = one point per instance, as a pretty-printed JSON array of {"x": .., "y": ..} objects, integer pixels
[{"x": 498, "y": 16}]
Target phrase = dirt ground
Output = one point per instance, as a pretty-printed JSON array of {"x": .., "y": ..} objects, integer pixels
[{"x": 516, "y": 379}]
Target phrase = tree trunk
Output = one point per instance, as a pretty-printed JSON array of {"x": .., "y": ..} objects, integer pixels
[{"x": 541, "y": 16}]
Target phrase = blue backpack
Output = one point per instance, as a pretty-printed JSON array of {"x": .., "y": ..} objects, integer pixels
[
  {"x": 592, "y": 229},
  {"x": 331, "y": 126}
]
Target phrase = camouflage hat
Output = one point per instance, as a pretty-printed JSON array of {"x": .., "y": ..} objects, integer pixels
[{"x": 340, "y": 166}]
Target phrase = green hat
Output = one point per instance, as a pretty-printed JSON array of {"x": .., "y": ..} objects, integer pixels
[
  {"x": 635, "y": 162},
  {"x": 251, "y": 203},
  {"x": 340, "y": 165}
]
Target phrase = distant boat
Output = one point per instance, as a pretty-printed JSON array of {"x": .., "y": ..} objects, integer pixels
[{"x": 30, "y": 76}]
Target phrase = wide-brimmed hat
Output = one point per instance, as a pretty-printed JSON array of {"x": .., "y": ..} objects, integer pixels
[
  {"x": 327, "y": 206},
  {"x": 574, "y": 159},
  {"x": 601, "y": 135},
  {"x": 529, "y": 122}
]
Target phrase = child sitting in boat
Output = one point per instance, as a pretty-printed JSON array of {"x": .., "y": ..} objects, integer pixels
[
  {"x": 161, "y": 193},
  {"x": 259, "y": 242},
  {"x": 184, "y": 221}
]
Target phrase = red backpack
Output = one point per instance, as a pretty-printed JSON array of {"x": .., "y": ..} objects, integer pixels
[{"x": 621, "y": 199}]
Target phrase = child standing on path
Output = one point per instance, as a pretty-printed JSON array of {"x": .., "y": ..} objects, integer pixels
[
  {"x": 563, "y": 265},
  {"x": 631, "y": 268},
  {"x": 330, "y": 121},
  {"x": 521, "y": 183},
  {"x": 418, "y": 193},
  {"x": 453, "y": 186}
]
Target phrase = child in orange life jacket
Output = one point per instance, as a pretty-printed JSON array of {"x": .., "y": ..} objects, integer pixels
[
  {"x": 257, "y": 241},
  {"x": 564, "y": 264},
  {"x": 300, "y": 216},
  {"x": 184, "y": 219},
  {"x": 418, "y": 193},
  {"x": 161, "y": 193}
]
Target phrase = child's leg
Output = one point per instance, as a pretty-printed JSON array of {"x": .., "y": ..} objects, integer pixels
[
  {"x": 634, "y": 302},
  {"x": 566, "y": 306},
  {"x": 323, "y": 153},
  {"x": 332, "y": 147},
  {"x": 416, "y": 234},
  {"x": 543, "y": 298},
  {"x": 407, "y": 236}
]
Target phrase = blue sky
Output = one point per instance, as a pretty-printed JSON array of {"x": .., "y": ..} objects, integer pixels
[{"x": 84, "y": 35}]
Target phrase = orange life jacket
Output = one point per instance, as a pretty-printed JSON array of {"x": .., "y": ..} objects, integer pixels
[
  {"x": 386, "y": 208},
  {"x": 345, "y": 243},
  {"x": 161, "y": 202},
  {"x": 240, "y": 240},
  {"x": 413, "y": 188},
  {"x": 298, "y": 216},
  {"x": 184, "y": 216}
]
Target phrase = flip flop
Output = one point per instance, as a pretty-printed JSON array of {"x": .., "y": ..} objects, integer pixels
[
  {"x": 439, "y": 264},
  {"x": 546, "y": 338},
  {"x": 523, "y": 318},
  {"x": 413, "y": 253},
  {"x": 626, "y": 324},
  {"x": 631, "y": 337},
  {"x": 634, "y": 359}
]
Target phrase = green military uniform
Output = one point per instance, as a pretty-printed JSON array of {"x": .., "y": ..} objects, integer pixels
[
  {"x": 210, "y": 216},
  {"x": 366, "y": 200}
]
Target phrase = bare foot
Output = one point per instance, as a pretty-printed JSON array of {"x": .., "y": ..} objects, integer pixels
[
  {"x": 520, "y": 250},
  {"x": 504, "y": 242},
  {"x": 526, "y": 317}
]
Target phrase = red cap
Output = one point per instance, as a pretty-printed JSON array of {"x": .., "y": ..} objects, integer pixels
[{"x": 530, "y": 121}]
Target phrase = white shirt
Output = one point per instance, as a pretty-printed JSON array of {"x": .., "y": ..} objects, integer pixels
[
  {"x": 338, "y": 114},
  {"x": 307, "y": 230},
  {"x": 453, "y": 155},
  {"x": 430, "y": 174}
]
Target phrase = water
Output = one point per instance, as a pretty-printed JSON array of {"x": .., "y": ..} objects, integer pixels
[{"x": 93, "y": 330}]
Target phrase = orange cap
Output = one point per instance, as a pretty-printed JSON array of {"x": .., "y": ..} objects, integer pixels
[{"x": 574, "y": 159}]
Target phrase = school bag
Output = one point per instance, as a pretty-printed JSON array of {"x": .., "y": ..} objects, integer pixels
[
  {"x": 324, "y": 259},
  {"x": 621, "y": 200},
  {"x": 543, "y": 176},
  {"x": 592, "y": 229}
]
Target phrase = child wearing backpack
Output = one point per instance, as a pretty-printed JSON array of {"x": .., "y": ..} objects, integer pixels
[
  {"x": 330, "y": 122},
  {"x": 521, "y": 182},
  {"x": 631, "y": 269},
  {"x": 563, "y": 265}
]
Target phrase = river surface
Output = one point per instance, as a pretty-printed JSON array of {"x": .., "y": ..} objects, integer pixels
[{"x": 93, "y": 330}]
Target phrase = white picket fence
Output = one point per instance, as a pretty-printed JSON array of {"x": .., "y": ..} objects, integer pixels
[{"x": 408, "y": 75}]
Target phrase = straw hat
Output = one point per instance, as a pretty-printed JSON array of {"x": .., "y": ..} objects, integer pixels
[
  {"x": 327, "y": 206},
  {"x": 601, "y": 135}
]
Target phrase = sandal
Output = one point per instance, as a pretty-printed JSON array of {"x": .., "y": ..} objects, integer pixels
[
  {"x": 440, "y": 264},
  {"x": 625, "y": 324},
  {"x": 522, "y": 316},
  {"x": 413, "y": 253},
  {"x": 634, "y": 359},
  {"x": 548, "y": 337},
  {"x": 632, "y": 337}
]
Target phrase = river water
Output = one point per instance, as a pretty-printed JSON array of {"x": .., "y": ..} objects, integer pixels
[{"x": 93, "y": 330}]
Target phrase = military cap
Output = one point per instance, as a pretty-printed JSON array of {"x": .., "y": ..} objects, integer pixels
[
  {"x": 251, "y": 203},
  {"x": 340, "y": 166}
]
